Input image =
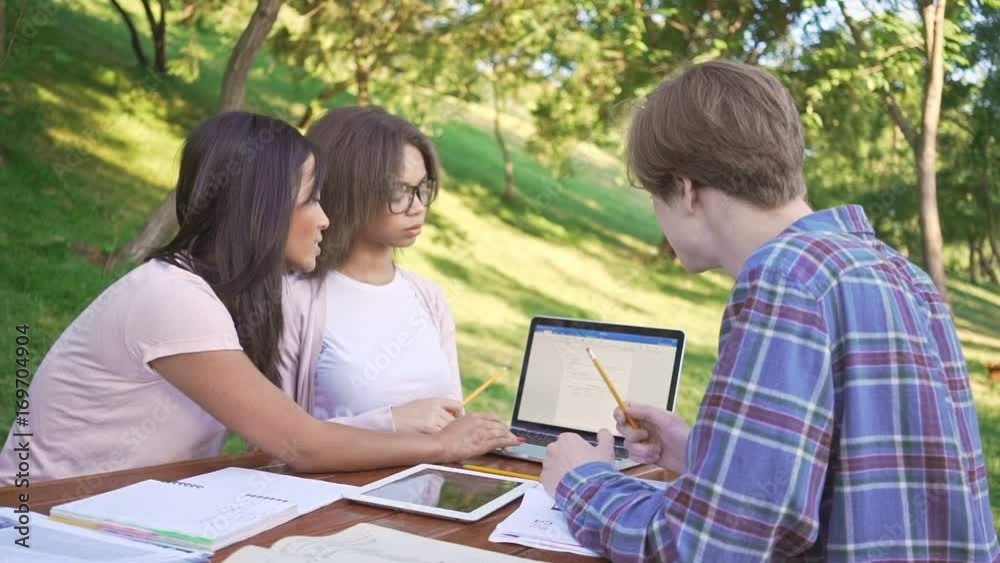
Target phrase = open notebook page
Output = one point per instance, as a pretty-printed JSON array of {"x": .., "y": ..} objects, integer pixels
[{"x": 307, "y": 494}]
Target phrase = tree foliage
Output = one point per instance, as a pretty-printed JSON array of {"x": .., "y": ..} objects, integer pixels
[{"x": 859, "y": 72}]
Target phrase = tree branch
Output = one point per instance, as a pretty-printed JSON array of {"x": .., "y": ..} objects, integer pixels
[
  {"x": 245, "y": 53},
  {"x": 909, "y": 133},
  {"x": 149, "y": 16},
  {"x": 136, "y": 43}
]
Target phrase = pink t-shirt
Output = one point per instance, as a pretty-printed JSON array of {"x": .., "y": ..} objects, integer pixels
[{"x": 97, "y": 406}]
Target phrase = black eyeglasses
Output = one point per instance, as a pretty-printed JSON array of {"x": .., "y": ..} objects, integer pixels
[{"x": 401, "y": 199}]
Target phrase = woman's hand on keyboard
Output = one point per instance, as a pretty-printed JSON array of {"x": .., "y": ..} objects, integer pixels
[
  {"x": 661, "y": 438},
  {"x": 472, "y": 435}
]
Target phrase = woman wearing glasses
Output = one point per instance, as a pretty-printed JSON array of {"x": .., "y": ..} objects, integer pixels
[{"x": 375, "y": 343}]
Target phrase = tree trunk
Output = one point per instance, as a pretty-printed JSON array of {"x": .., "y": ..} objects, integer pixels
[
  {"x": 361, "y": 77},
  {"x": 930, "y": 221},
  {"x": 924, "y": 144},
  {"x": 510, "y": 192},
  {"x": 991, "y": 214},
  {"x": 136, "y": 42},
  {"x": 973, "y": 257},
  {"x": 243, "y": 56},
  {"x": 160, "y": 39},
  {"x": 158, "y": 30},
  {"x": 163, "y": 223},
  {"x": 987, "y": 266},
  {"x": 664, "y": 250},
  {"x": 307, "y": 116},
  {"x": 156, "y": 233}
]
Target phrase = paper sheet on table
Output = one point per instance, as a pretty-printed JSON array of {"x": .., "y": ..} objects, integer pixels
[
  {"x": 367, "y": 543},
  {"x": 540, "y": 524}
]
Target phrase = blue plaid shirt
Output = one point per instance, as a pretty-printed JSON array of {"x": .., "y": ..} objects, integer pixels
[{"x": 838, "y": 424}]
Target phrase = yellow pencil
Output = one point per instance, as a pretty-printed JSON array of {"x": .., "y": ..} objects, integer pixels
[
  {"x": 482, "y": 469},
  {"x": 484, "y": 387},
  {"x": 611, "y": 387}
]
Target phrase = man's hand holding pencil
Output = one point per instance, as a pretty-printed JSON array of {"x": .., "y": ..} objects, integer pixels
[
  {"x": 652, "y": 435},
  {"x": 661, "y": 437}
]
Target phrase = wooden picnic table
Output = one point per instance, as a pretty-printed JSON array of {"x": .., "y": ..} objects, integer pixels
[{"x": 330, "y": 519}]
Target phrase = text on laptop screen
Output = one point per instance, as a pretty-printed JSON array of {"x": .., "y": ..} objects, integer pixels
[{"x": 563, "y": 388}]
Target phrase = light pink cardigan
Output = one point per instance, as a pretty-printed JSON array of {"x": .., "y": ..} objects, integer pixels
[{"x": 304, "y": 316}]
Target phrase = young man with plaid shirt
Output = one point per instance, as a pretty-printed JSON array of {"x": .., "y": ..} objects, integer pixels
[{"x": 839, "y": 423}]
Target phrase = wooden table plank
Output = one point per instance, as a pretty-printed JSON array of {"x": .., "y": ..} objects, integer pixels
[{"x": 325, "y": 521}]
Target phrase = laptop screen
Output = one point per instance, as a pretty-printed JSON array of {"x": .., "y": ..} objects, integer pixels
[{"x": 562, "y": 387}]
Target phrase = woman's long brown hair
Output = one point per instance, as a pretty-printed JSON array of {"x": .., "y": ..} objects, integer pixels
[{"x": 238, "y": 184}]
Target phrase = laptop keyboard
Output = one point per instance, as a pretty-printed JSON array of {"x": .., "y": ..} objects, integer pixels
[
  {"x": 543, "y": 440},
  {"x": 536, "y": 438}
]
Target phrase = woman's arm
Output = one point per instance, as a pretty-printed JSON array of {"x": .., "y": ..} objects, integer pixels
[
  {"x": 446, "y": 328},
  {"x": 229, "y": 387}
]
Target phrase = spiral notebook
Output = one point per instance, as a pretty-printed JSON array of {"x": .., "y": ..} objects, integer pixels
[
  {"x": 307, "y": 494},
  {"x": 182, "y": 515}
]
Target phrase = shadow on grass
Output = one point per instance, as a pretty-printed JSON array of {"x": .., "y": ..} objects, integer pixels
[
  {"x": 976, "y": 313},
  {"x": 567, "y": 211},
  {"x": 507, "y": 289},
  {"x": 448, "y": 234}
]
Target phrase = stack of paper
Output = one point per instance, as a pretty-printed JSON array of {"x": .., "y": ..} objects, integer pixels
[
  {"x": 188, "y": 517},
  {"x": 367, "y": 543},
  {"x": 204, "y": 513},
  {"x": 539, "y": 523}
]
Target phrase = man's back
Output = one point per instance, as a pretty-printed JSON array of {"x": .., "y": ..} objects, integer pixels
[
  {"x": 838, "y": 424},
  {"x": 906, "y": 478}
]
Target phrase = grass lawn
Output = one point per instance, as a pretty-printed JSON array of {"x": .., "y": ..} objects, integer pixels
[{"x": 91, "y": 152}]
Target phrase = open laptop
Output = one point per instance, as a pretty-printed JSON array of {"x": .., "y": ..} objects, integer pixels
[{"x": 561, "y": 391}]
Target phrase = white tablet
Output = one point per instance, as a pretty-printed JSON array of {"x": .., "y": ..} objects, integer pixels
[{"x": 446, "y": 492}]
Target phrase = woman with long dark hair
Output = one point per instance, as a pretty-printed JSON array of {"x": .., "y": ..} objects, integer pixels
[{"x": 185, "y": 348}]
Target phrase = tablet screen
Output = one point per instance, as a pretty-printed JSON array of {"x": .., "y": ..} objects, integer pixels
[{"x": 446, "y": 490}]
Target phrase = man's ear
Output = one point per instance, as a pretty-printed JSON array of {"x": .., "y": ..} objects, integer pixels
[{"x": 689, "y": 195}]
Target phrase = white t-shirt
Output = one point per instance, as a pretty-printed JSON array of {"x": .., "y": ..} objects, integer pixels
[{"x": 380, "y": 349}]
